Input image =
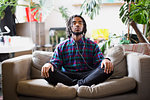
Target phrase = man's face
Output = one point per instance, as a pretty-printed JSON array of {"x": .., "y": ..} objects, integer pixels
[{"x": 77, "y": 26}]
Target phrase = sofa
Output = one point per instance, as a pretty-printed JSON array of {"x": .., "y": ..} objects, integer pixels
[{"x": 21, "y": 79}]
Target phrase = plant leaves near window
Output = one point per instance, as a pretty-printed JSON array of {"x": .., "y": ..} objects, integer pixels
[
  {"x": 139, "y": 12},
  {"x": 64, "y": 12},
  {"x": 90, "y": 8}
]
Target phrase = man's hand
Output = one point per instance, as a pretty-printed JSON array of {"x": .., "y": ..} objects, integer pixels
[
  {"x": 45, "y": 69},
  {"x": 108, "y": 66}
]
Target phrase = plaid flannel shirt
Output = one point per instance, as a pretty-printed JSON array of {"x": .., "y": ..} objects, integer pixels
[{"x": 78, "y": 57}]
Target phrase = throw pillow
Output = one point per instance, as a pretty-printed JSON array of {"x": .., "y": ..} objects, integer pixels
[
  {"x": 39, "y": 58},
  {"x": 117, "y": 56}
]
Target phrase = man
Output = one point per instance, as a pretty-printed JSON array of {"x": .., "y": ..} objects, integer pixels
[{"x": 77, "y": 60}]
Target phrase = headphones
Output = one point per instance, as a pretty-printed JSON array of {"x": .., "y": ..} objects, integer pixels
[{"x": 82, "y": 54}]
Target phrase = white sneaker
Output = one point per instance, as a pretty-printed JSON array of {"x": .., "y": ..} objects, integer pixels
[
  {"x": 60, "y": 85},
  {"x": 93, "y": 85},
  {"x": 75, "y": 86}
]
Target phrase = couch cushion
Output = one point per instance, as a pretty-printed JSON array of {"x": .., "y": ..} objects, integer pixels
[
  {"x": 108, "y": 88},
  {"x": 117, "y": 56},
  {"x": 41, "y": 88},
  {"x": 39, "y": 58}
]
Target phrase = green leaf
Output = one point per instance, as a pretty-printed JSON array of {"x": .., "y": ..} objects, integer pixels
[
  {"x": 4, "y": 4},
  {"x": 64, "y": 12},
  {"x": 90, "y": 8},
  {"x": 109, "y": 41}
]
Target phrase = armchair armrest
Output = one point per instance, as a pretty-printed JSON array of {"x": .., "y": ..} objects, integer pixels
[
  {"x": 139, "y": 68},
  {"x": 14, "y": 70}
]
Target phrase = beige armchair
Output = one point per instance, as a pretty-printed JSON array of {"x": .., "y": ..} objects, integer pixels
[{"x": 21, "y": 80}]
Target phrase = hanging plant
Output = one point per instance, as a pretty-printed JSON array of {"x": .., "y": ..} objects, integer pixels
[
  {"x": 90, "y": 8},
  {"x": 64, "y": 12}
]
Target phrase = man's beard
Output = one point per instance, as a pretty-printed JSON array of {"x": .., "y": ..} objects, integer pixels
[{"x": 77, "y": 33}]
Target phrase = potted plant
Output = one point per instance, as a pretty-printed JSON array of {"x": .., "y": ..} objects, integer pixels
[
  {"x": 135, "y": 12},
  {"x": 132, "y": 12},
  {"x": 38, "y": 10}
]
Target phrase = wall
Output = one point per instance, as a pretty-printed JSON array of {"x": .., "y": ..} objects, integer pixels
[{"x": 108, "y": 18}]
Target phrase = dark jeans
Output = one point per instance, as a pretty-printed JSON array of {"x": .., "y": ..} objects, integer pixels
[{"x": 88, "y": 78}]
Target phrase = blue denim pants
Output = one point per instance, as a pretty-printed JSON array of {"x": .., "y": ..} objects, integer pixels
[{"x": 88, "y": 78}]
